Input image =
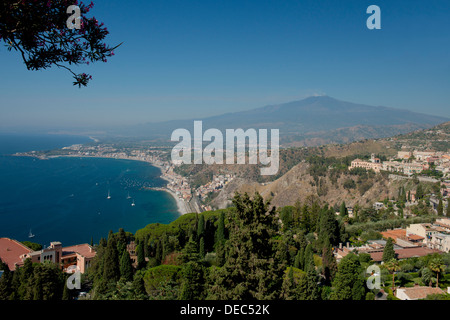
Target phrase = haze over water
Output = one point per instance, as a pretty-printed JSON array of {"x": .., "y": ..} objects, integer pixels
[{"x": 65, "y": 199}]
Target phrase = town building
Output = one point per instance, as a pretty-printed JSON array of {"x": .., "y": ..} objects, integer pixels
[
  {"x": 71, "y": 259},
  {"x": 416, "y": 292},
  {"x": 11, "y": 251},
  {"x": 374, "y": 164}
]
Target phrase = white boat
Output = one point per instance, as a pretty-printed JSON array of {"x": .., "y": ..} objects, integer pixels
[
  {"x": 128, "y": 197},
  {"x": 133, "y": 204},
  {"x": 30, "y": 234},
  {"x": 109, "y": 196}
]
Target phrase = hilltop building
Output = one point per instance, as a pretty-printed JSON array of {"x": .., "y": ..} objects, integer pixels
[
  {"x": 71, "y": 259},
  {"x": 374, "y": 164}
]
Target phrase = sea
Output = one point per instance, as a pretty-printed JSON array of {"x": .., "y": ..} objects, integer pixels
[{"x": 66, "y": 199}]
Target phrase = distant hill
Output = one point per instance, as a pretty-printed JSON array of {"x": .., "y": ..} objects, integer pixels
[
  {"x": 309, "y": 122},
  {"x": 296, "y": 180}
]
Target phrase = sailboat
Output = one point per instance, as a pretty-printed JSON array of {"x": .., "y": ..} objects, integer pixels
[
  {"x": 133, "y": 204},
  {"x": 128, "y": 197},
  {"x": 109, "y": 196},
  {"x": 30, "y": 234}
]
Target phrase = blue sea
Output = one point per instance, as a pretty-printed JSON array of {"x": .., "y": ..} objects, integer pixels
[{"x": 65, "y": 199}]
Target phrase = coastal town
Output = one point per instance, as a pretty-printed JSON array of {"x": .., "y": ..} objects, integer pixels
[
  {"x": 408, "y": 163},
  {"x": 188, "y": 199}
]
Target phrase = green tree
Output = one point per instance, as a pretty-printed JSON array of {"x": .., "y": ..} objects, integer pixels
[
  {"x": 201, "y": 226},
  {"x": 343, "y": 209},
  {"x": 388, "y": 251},
  {"x": 193, "y": 275},
  {"x": 393, "y": 266},
  {"x": 427, "y": 276},
  {"x": 299, "y": 259},
  {"x": 202, "y": 247},
  {"x": 5, "y": 281},
  {"x": 141, "y": 263},
  {"x": 440, "y": 208},
  {"x": 220, "y": 233},
  {"x": 329, "y": 264},
  {"x": 252, "y": 268},
  {"x": 438, "y": 267},
  {"x": 312, "y": 292},
  {"x": 328, "y": 227},
  {"x": 190, "y": 251},
  {"x": 308, "y": 257},
  {"x": 126, "y": 268},
  {"x": 348, "y": 283},
  {"x": 111, "y": 270},
  {"x": 419, "y": 192}
]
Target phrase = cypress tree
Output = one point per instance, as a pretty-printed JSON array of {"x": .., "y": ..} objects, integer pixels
[
  {"x": 202, "y": 247},
  {"x": 140, "y": 256},
  {"x": 252, "y": 269},
  {"x": 448, "y": 209},
  {"x": 343, "y": 209},
  {"x": 126, "y": 269},
  {"x": 190, "y": 251},
  {"x": 111, "y": 270},
  {"x": 388, "y": 251},
  {"x": 287, "y": 290},
  {"x": 419, "y": 192},
  {"x": 311, "y": 280},
  {"x": 308, "y": 257},
  {"x": 299, "y": 259},
  {"x": 66, "y": 292},
  {"x": 403, "y": 195},
  {"x": 201, "y": 226},
  {"x": 440, "y": 208},
  {"x": 220, "y": 233},
  {"x": 329, "y": 263},
  {"x": 328, "y": 228}
]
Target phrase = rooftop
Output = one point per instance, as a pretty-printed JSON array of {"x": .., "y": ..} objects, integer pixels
[
  {"x": 405, "y": 253},
  {"x": 418, "y": 292},
  {"x": 83, "y": 249},
  {"x": 10, "y": 252},
  {"x": 394, "y": 234}
]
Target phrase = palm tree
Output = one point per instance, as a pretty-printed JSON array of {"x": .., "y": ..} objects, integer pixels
[
  {"x": 436, "y": 265},
  {"x": 392, "y": 265}
]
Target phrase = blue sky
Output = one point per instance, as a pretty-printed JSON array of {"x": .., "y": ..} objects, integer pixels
[{"x": 191, "y": 59}]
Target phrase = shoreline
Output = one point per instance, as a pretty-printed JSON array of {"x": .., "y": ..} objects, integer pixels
[{"x": 182, "y": 206}]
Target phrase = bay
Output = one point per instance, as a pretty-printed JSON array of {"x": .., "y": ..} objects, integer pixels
[{"x": 66, "y": 199}]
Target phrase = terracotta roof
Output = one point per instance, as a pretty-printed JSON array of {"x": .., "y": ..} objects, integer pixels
[
  {"x": 415, "y": 293},
  {"x": 10, "y": 252},
  {"x": 405, "y": 253},
  {"x": 394, "y": 234},
  {"x": 83, "y": 249},
  {"x": 415, "y": 237}
]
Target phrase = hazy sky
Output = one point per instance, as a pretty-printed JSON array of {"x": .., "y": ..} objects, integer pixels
[{"x": 190, "y": 59}]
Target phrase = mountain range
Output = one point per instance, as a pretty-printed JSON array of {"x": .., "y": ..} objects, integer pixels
[{"x": 309, "y": 122}]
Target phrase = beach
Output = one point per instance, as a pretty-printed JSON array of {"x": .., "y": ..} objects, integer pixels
[{"x": 181, "y": 204}]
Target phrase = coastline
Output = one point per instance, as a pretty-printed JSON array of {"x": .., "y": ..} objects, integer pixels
[{"x": 182, "y": 206}]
